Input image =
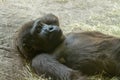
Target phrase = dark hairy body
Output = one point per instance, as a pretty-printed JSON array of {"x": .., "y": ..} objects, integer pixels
[
  {"x": 67, "y": 57},
  {"x": 91, "y": 53}
]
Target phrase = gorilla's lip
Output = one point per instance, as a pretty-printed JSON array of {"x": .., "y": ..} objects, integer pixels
[
  {"x": 51, "y": 35},
  {"x": 54, "y": 34}
]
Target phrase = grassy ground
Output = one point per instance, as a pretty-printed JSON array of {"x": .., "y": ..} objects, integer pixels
[{"x": 74, "y": 15}]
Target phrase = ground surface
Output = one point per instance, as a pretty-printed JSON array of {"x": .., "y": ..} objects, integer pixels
[{"x": 74, "y": 15}]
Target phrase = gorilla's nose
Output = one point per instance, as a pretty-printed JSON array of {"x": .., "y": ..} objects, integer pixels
[{"x": 49, "y": 28}]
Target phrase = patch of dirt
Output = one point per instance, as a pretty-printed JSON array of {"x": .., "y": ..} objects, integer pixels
[{"x": 14, "y": 13}]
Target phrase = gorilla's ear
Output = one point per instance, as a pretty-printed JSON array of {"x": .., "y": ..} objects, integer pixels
[{"x": 50, "y": 19}]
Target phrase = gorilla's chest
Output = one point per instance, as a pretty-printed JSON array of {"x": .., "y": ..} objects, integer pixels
[
  {"x": 80, "y": 49},
  {"x": 78, "y": 45},
  {"x": 76, "y": 48}
]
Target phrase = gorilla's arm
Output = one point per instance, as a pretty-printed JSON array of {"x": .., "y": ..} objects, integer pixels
[{"x": 48, "y": 65}]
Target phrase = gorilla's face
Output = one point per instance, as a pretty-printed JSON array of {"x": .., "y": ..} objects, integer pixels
[{"x": 46, "y": 36}]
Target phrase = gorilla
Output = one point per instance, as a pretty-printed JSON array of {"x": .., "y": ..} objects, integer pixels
[{"x": 67, "y": 57}]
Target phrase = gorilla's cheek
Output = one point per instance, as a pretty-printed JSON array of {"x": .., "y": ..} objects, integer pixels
[{"x": 43, "y": 35}]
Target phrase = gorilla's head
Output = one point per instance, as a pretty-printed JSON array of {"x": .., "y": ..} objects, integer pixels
[
  {"x": 46, "y": 33},
  {"x": 39, "y": 36}
]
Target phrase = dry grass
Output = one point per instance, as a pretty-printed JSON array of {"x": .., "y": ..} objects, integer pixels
[{"x": 81, "y": 15}]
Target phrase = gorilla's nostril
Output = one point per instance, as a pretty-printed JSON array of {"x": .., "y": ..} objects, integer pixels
[{"x": 51, "y": 28}]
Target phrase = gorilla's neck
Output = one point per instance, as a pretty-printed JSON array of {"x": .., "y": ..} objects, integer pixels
[{"x": 57, "y": 52}]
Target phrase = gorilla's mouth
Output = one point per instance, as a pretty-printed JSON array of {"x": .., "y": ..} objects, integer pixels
[
  {"x": 51, "y": 36},
  {"x": 50, "y": 33},
  {"x": 55, "y": 35}
]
